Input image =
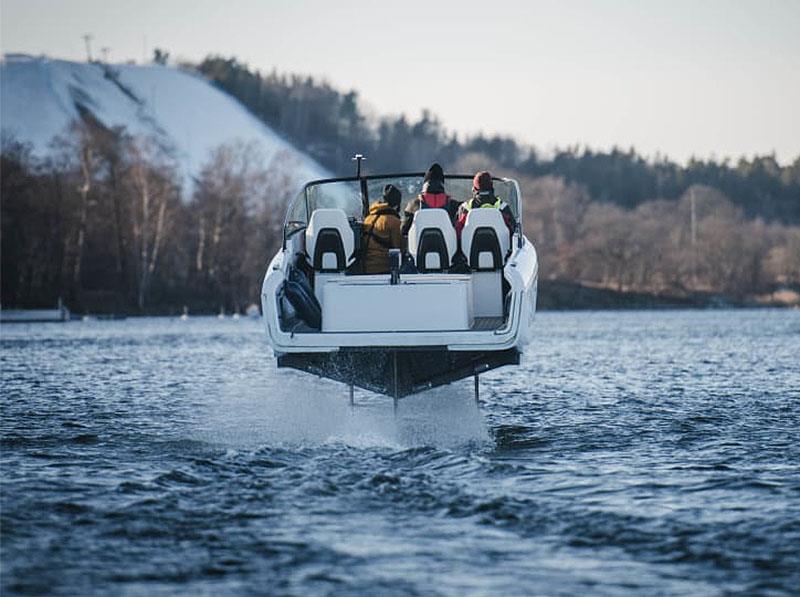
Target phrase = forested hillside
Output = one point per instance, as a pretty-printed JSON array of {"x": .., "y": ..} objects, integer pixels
[
  {"x": 108, "y": 222},
  {"x": 331, "y": 125}
]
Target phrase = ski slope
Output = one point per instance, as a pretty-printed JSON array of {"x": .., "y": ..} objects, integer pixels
[{"x": 39, "y": 98}]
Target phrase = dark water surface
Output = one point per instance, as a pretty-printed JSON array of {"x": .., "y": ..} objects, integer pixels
[{"x": 633, "y": 452}]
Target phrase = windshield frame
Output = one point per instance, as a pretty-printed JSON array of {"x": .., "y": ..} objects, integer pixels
[{"x": 363, "y": 180}]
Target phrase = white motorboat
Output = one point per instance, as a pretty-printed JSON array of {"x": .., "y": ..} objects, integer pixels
[{"x": 425, "y": 324}]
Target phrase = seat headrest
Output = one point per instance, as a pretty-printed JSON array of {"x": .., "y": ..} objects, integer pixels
[
  {"x": 330, "y": 219},
  {"x": 485, "y": 217},
  {"x": 432, "y": 218}
]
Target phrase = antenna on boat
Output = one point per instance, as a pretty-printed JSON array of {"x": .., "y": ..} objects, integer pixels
[{"x": 358, "y": 158}]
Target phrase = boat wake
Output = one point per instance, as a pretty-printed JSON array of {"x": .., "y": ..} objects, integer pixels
[{"x": 293, "y": 410}]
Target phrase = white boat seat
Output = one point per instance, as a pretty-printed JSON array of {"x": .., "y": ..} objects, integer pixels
[
  {"x": 432, "y": 240},
  {"x": 485, "y": 239},
  {"x": 330, "y": 242}
]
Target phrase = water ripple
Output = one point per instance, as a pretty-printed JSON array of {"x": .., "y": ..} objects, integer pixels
[{"x": 632, "y": 453}]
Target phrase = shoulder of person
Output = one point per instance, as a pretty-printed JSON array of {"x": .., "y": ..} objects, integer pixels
[{"x": 413, "y": 203}]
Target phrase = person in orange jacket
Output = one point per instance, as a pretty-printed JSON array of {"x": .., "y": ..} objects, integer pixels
[{"x": 381, "y": 231}]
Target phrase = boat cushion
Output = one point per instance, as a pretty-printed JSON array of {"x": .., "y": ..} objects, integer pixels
[
  {"x": 330, "y": 261},
  {"x": 486, "y": 260},
  {"x": 432, "y": 240},
  {"x": 485, "y": 240},
  {"x": 330, "y": 242},
  {"x": 433, "y": 261}
]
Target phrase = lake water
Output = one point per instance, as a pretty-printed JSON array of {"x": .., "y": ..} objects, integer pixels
[{"x": 631, "y": 452}]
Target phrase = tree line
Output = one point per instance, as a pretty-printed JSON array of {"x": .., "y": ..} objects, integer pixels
[
  {"x": 700, "y": 243},
  {"x": 107, "y": 224},
  {"x": 332, "y": 126}
]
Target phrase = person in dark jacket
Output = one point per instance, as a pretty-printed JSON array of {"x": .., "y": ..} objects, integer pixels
[
  {"x": 433, "y": 196},
  {"x": 483, "y": 196},
  {"x": 382, "y": 231}
]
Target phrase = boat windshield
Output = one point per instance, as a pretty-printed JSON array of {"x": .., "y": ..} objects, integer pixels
[
  {"x": 342, "y": 194},
  {"x": 354, "y": 199}
]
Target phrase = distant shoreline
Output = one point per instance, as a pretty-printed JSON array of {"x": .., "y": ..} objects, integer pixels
[
  {"x": 572, "y": 296},
  {"x": 553, "y": 295}
]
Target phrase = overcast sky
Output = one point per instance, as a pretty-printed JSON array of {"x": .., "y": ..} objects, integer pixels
[{"x": 679, "y": 77}]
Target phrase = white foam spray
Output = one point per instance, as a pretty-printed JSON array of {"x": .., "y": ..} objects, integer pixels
[{"x": 290, "y": 408}]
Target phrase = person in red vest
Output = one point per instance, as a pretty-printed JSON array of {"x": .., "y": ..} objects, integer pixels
[
  {"x": 483, "y": 196},
  {"x": 432, "y": 196}
]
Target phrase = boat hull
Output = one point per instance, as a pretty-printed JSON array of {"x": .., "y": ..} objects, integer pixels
[{"x": 399, "y": 372}]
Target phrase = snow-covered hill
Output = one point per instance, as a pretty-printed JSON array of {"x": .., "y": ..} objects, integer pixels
[{"x": 39, "y": 98}]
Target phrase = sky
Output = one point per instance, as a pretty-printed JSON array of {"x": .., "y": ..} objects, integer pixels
[{"x": 678, "y": 78}]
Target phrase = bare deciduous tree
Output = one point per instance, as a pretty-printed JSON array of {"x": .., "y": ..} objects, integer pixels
[{"x": 154, "y": 186}]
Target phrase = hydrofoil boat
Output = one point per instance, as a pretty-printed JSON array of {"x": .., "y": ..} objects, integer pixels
[{"x": 452, "y": 308}]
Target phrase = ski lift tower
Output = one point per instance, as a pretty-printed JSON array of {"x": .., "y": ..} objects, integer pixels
[{"x": 87, "y": 38}]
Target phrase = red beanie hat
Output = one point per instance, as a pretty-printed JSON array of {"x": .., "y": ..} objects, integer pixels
[{"x": 483, "y": 182}]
